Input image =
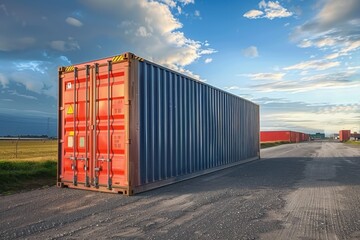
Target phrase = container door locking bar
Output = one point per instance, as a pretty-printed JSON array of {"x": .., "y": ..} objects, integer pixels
[
  {"x": 96, "y": 169},
  {"x": 108, "y": 126},
  {"x": 86, "y": 166},
  {"x": 74, "y": 165}
]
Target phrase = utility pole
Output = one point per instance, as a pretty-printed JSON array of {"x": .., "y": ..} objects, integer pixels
[{"x": 48, "y": 128}]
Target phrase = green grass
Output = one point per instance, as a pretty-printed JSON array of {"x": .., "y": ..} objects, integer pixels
[
  {"x": 272, "y": 144},
  {"x": 353, "y": 142},
  {"x": 32, "y": 165},
  {"x": 23, "y": 175}
]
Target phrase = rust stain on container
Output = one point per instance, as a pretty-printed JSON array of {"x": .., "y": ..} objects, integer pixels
[{"x": 127, "y": 125}]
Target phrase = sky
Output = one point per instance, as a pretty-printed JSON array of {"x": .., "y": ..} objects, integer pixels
[{"x": 298, "y": 59}]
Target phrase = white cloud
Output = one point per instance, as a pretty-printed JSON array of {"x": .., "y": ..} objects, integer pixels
[
  {"x": 74, "y": 22},
  {"x": 271, "y": 10},
  {"x": 319, "y": 42},
  {"x": 142, "y": 32},
  {"x": 150, "y": 29},
  {"x": 197, "y": 13},
  {"x": 64, "y": 45},
  {"x": 208, "y": 60},
  {"x": 275, "y": 10},
  {"x": 282, "y": 114},
  {"x": 4, "y": 9},
  {"x": 35, "y": 76},
  {"x": 15, "y": 93},
  {"x": 10, "y": 44},
  {"x": 253, "y": 14},
  {"x": 352, "y": 68},
  {"x": 265, "y": 76},
  {"x": 344, "y": 108},
  {"x": 332, "y": 56},
  {"x": 310, "y": 83},
  {"x": 335, "y": 25},
  {"x": 351, "y": 46},
  {"x": 35, "y": 66},
  {"x": 325, "y": 42},
  {"x": 185, "y": 2},
  {"x": 313, "y": 64},
  {"x": 251, "y": 52},
  {"x": 232, "y": 88},
  {"x": 3, "y": 80},
  {"x": 170, "y": 3},
  {"x": 207, "y": 51},
  {"x": 305, "y": 43}
]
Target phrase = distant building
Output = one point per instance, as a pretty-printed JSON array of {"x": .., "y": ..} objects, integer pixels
[
  {"x": 334, "y": 136},
  {"x": 317, "y": 136},
  {"x": 355, "y": 136}
]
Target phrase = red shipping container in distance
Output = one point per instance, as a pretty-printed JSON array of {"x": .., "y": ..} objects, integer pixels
[
  {"x": 283, "y": 136},
  {"x": 344, "y": 135}
]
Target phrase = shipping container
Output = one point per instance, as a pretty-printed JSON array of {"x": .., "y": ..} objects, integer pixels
[
  {"x": 344, "y": 135},
  {"x": 127, "y": 125},
  {"x": 283, "y": 136},
  {"x": 275, "y": 136}
]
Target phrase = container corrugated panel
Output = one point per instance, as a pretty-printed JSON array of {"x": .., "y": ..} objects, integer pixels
[{"x": 128, "y": 125}]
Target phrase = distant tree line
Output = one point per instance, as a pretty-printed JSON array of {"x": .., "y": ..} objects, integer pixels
[{"x": 29, "y": 136}]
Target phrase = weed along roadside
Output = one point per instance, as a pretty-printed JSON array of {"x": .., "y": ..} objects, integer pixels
[{"x": 27, "y": 164}]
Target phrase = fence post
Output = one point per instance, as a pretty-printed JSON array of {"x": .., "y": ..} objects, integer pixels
[{"x": 16, "y": 148}]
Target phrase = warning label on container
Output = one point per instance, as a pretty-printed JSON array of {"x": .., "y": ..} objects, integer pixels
[
  {"x": 70, "y": 141},
  {"x": 70, "y": 110}
]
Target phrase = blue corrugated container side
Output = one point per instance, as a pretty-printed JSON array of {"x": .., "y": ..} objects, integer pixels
[{"x": 187, "y": 128}]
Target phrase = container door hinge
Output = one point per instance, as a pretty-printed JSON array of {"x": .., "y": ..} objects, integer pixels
[
  {"x": 96, "y": 182},
  {"x": 75, "y": 180},
  {"x": 87, "y": 182},
  {"x": 109, "y": 184}
]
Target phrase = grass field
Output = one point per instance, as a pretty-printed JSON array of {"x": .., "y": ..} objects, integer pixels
[
  {"x": 27, "y": 164},
  {"x": 353, "y": 142},
  {"x": 28, "y": 150},
  {"x": 271, "y": 144}
]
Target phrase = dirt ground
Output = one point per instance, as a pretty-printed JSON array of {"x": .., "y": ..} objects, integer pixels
[{"x": 296, "y": 191}]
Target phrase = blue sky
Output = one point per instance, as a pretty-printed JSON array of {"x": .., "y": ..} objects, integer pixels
[{"x": 300, "y": 60}]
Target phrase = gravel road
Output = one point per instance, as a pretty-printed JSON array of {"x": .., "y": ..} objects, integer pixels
[{"x": 296, "y": 191}]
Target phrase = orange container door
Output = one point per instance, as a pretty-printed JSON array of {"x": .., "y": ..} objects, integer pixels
[
  {"x": 94, "y": 125},
  {"x": 110, "y": 128},
  {"x": 75, "y": 122}
]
